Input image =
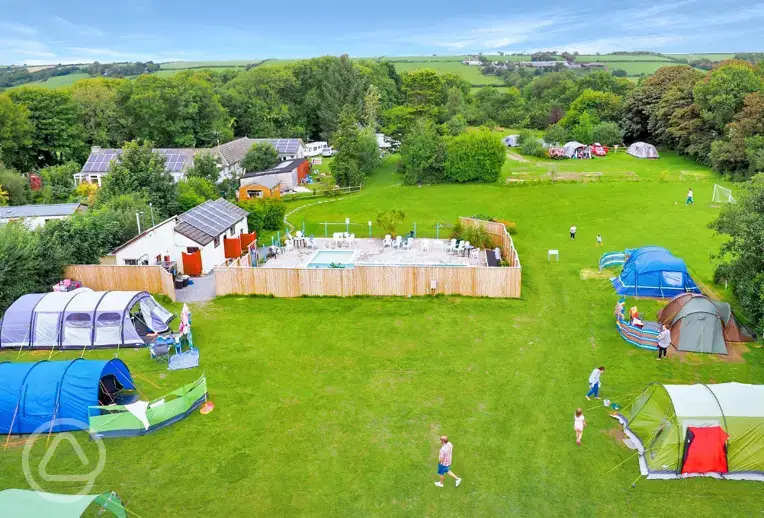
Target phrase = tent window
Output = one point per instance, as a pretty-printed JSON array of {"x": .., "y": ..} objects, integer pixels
[
  {"x": 78, "y": 320},
  {"x": 672, "y": 278},
  {"x": 108, "y": 320}
]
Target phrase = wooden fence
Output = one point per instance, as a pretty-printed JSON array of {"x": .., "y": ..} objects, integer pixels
[
  {"x": 153, "y": 279},
  {"x": 370, "y": 280},
  {"x": 500, "y": 237}
]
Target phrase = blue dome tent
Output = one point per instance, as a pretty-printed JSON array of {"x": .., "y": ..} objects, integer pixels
[
  {"x": 82, "y": 319},
  {"x": 652, "y": 271},
  {"x": 34, "y": 394}
]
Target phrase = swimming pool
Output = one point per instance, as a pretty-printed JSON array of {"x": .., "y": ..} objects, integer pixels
[{"x": 325, "y": 258}]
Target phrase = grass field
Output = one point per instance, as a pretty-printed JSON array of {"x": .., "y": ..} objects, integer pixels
[
  {"x": 55, "y": 82},
  {"x": 635, "y": 68},
  {"x": 711, "y": 57},
  {"x": 182, "y": 65},
  {"x": 620, "y": 57},
  {"x": 471, "y": 74},
  {"x": 333, "y": 407}
]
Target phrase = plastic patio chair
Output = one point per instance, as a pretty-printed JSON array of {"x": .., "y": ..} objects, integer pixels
[
  {"x": 424, "y": 246},
  {"x": 451, "y": 247},
  {"x": 398, "y": 241},
  {"x": 407, "y": 244},
  {"x": 388, "y": 241}
]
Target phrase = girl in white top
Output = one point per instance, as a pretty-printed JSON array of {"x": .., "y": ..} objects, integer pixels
[{"x": 579, "y": 423}]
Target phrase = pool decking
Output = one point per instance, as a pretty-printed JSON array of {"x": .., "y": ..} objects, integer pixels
[{"x": 371, "y": 252}]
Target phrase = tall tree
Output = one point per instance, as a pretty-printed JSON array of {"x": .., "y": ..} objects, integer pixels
[
  {"x": 205, "y": 166},
  {"x": 423, "y": 154},
  {"x": 720, "y": 95},
  {"x": 57, "y": 183},
  {"x": 139, "y": 171},
  {"x": 179, "y": 111},
  {"x": 57, "y": 131},
  {"x": 194, "y": 191},
  {"x": 261, "y": 156},
  {"x": 357, "y": 151},
  {"x": 601, "y": 107},
  {"x": 342, "y": 89},
  {"x": 100, "y": 109},
  {"x": 475, "y": 156},
  {"x": 371, "y": 104},
  {"x": 425, "y": 92},
  {"x": 15, "y": 133}
]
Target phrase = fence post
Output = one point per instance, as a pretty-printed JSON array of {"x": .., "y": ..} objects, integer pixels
[
  {"x": 326, "y": 229},
  {"x": 415, "y": 229},
  {"x": 347, "y": 225},
  {"x": 303, "y": 227},
  {"x": 437, "y": 230},
  {"x": 369, "y": 229}
]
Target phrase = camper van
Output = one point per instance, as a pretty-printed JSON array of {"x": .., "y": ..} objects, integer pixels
[
  {"x": 315, "y": 148},
  {"x": 328, "y": 151}
]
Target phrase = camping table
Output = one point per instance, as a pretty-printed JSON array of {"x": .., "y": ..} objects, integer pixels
[
  {"x": 299, "y": 241},
  {"x": 555, "y": 253}
]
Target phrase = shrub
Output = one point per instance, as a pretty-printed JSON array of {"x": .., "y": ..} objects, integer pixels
[
  {"x": 264, "y": 213},
  {"x": 457, "y": 230},
  {"x": 476, "y": 156},
  {"x": 533, "y": 147},
  {"x": 511, "y": 226},
  {"x": 478, "y": 236},
  {"x": 388, "y": 220},
  {"x": 556, "y": 135},
  {"x": 607, "y": 133}
]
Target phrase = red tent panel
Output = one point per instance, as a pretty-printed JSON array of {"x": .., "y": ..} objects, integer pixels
[{"x": 705, "y": 451}]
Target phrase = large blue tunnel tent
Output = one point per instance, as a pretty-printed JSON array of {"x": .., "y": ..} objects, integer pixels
[
  {"x": 34, "y": 394},
  {"x": 82, "y": 318},
  {"x": 651, "y": 271}
]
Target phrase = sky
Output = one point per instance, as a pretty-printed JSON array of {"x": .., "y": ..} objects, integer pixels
[{"x": 39, "y": 32}]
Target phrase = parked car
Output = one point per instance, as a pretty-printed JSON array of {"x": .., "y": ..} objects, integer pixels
[{"x": 328, "y": 151}]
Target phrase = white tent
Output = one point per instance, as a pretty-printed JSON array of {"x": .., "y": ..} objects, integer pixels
[
  {"x": 511, "y": 140},
  {"x": 643, "y": 150},
  {"x": 571, "y": 149},
  {"x": 82, "y": 318}
]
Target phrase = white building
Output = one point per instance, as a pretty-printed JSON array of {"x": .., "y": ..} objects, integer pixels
[
  {"x": 201, "y": 229},
  {"x": 315, "y": 148},
  {"x": 232, "y": 153},
  {"x": 34, "y": 216},
  {"x": 178, "y": 161}
]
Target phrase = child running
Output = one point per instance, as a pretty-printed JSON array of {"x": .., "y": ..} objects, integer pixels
[{"x": 579, "y": 423}]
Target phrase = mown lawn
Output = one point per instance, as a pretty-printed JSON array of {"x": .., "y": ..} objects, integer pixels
[{"x": 333, "y": 407}]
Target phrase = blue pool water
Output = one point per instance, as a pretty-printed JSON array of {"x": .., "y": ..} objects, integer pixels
[{"x": 324, "y": 258}]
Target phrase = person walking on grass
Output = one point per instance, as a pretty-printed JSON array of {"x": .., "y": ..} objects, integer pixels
[
  {"x": 664, "y": 341},
  {"x": 594, "y": 383},
  {"x": 444, "y": 461},
  {"x": 579, "y": 423},
  {"x": 599, "y": 239},
  {"x": 690, "y": 201},
  {"x": 573, "y": 232}
]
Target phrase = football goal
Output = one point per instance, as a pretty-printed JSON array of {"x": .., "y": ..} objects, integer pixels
[{"x": 722, "y": 195}]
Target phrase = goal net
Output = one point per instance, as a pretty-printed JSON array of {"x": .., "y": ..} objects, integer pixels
[{"x": 722, "y": 195}]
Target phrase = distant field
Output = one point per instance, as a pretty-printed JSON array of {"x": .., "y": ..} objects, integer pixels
[
  {"x": 619, "y": 57},
  {"x": 711, "y": 57},
  {"x": 471, "y": 74},
  {"x": 640, "y": 67},
  {"x": 180, "y": 65},
  {"x": 55, "y": 82}
]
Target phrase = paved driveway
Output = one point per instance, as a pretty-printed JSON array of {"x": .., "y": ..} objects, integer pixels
[{"x": 202, "y": 290}]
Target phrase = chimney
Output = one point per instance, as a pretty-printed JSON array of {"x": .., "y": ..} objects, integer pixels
[{"x": 95, "y": 149}]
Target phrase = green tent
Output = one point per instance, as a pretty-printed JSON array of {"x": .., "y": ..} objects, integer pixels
[
  {"x": 18, "y": 503},
  {"x": 692, "y": 430}
]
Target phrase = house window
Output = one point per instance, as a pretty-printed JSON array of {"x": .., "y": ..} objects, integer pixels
[
  {"x": 192, "y": 249},
  {"x": 131, "y": 262},
  {"x": 254, "y": 193},
  {"x": 232, "y": 230},
  {"x": 217, "y": 241}
]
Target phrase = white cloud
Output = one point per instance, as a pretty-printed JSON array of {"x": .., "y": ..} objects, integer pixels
[
  {"x": 18, "y": 28},
  {"x": 83, "y": 30}
]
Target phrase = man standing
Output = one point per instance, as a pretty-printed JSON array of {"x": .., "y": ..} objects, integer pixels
[
  {"x": 594, "y": 383},
  {"x": 690, "y": 201},
  {"x": 664, "y": 340},
  {"x": 573, "y": 232},
  {"x": 444, "y": 461},
  {"x": 599, "y": 239}
]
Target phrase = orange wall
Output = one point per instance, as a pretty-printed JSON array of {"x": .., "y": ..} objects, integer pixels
[{"x": 267, "y": 193}]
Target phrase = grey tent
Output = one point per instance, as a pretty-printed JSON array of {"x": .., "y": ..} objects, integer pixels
[
  {"x": 511, "y": 140},
  {"x": 576, "y": 150},
  {"x": 696, "y": 324},
  {"x": 643, "y": 150}
]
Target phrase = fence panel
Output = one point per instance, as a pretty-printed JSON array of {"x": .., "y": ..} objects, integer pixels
[
  {"x": 369, "y": 280},
  {"x": 153, "y": 279}
]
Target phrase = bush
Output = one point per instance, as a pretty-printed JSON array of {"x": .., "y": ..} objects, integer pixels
[
  {"x": 476, "y": 156},
  {"x": 607, "y": 134},
  {"x": 556, "y": 135},
  {"x": 456, "y": 230},
  {"x": 533, "y": 147},
  {"x": 389, "y": 220},
  {"x": 511, "y": 226},
  {"x": 478, "y": 236},
  {"x": 264, "y": 213},
  {"x": 15, "y": 185}
]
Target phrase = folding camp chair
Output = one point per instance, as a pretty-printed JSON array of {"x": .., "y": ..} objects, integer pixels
[{"x": 160, "y": 348}]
